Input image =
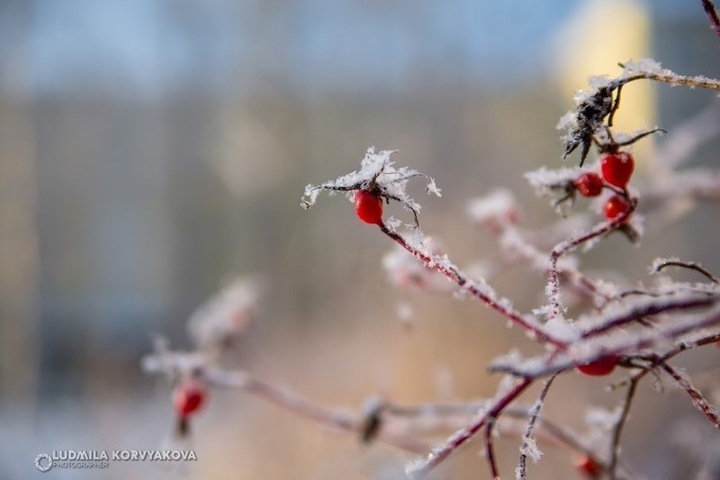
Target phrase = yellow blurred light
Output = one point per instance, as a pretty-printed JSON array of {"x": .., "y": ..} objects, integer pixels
[{"x": 592, "y": 42}]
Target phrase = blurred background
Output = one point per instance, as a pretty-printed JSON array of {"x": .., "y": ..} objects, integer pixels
[{"x": 150, "y": 150}]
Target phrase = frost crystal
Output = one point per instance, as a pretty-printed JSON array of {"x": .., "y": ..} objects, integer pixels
[
  {"x": 645, "y": 65},
  {"x": 530, "y": 449},
  {"x": 376, "y": 174},
  {"x": 567, "y": 122}
]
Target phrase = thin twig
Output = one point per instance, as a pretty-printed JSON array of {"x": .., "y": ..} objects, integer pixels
[
  {"x": 666, "y": 76},
  {"x": 527, "y": 436},
  {"x": 550, "y": 428},
  {"x": 689, "y": 265},
  {"x": 618, "y": 428},
  {"x": 490, "y": 450},
  {"x": 293, "y": 402},
  {"x": 655, "y": 359}
]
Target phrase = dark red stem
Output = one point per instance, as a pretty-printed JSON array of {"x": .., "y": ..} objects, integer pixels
[
  {"x": 452, "y": 274},
  {"x": 459, "y": 438}
]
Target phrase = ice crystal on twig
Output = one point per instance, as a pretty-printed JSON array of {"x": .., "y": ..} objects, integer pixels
[{"x": 377, "y": 175}]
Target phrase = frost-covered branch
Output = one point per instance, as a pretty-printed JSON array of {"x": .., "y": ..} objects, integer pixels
[
  {"x": 700, "y": 402},
  {"x": 636, "y": 327},
  {"x": 592, "y": 350},
  {"x": 479, "y": 290},
  {"x": 422, "y": 468}
]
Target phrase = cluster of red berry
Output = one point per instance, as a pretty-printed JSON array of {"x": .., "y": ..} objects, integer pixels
[{"x": 616, "y": 169}]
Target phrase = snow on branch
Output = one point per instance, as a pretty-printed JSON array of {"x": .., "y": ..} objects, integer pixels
[
  {"x": 378, "y": 176},
  {"x": 613, "y": 326}
]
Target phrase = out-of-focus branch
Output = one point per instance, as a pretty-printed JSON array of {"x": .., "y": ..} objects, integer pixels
[
  {"x": 618, "y": 428},
  {"x": 712, "y": 14},
  {"x": 422, "y": 468}
]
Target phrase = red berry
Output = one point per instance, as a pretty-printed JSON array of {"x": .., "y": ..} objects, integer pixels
[
  {"x": 368, "y": 207},
  {"x": 600, "y": 367},
  {"x": 589, "y": 184},
  {"x": 617, "y": 168},
  {"x": 615, "y": 206},
  {"x": 588, "y": 466},
  {"x": 189, "y": 397}
]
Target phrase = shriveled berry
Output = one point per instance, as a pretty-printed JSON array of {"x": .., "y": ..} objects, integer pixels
[
  {"x": 189, "y": 397},
  {"x": 615, "y": 206},
  {"x": 368, "y": 207},
  {"x": 617, "y": 168},
  {"x": 589, "y": 184},
  {"x": 587, "y": 466},
  {"x": 602, "y": 366}
]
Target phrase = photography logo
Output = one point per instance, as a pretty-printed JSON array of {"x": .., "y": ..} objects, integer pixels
[
  {"x": 43, "y": 462},
  {"x": 87, "y": 459}
]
